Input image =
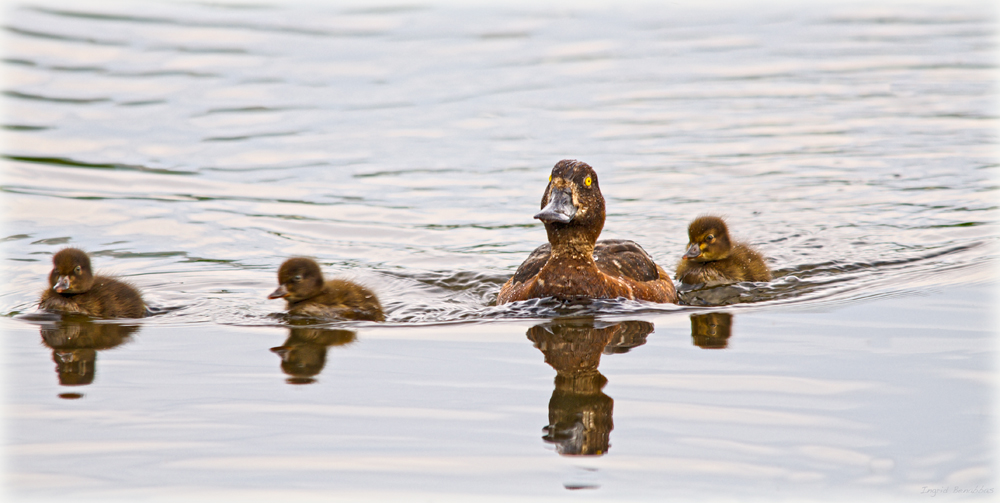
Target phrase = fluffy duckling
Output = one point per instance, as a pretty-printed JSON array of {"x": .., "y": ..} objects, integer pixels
[
  {"x": 301, "y": 285},
  {"x": 73, "y": 288},
  {"x": 714, "y": 258},
  {"x": 573, "y": 265}
]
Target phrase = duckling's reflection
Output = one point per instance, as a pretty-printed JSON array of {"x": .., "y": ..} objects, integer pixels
[
  {"x": 303, "y": 355},
  {"x": 711, "y": 330},
  {"x": 75, "y": 341},
  {"x": 580, "y": 421}
]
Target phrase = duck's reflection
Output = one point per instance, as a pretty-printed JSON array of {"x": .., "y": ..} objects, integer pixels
[
  {"x": 303, "y": 355},
  {"x": 580, "y": 421},
  {"x": 711, "y": 330},
  {"x": 75, "y": 341}
]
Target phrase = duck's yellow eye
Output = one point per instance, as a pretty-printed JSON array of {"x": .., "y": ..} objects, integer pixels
[
  {"x": 588, "y": 182},
  {"x": 550, "y": 178}
]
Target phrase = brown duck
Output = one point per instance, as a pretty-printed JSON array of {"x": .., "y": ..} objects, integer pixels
[
  {"x": 73, "y": 288},
  {"x": 301, "y": 285},
  {"x": 573, "y": 265},
  {"x": 713, "y": 258}
]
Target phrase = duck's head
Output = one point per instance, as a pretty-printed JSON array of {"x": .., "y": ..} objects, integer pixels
[
  {"x": 708, "y": 240},
  {"x": 71, "y": 272},
  {"x": 572, "y": 203},
  {"x": 299, "y": 278}
]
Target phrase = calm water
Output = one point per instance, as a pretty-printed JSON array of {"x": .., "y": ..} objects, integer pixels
[{"x": 192, "y": 147}]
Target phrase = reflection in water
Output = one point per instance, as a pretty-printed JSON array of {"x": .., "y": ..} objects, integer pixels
[
  {"x": 579, "y": 412},
  {"x": 75, "y": 341},
  {"x": 711, "y": 330},
  {"x": 303, "y": 354}
]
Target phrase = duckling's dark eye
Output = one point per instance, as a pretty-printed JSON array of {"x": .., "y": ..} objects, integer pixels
[
  {"x": 297, "y": 278},
  {"x": 588, "y": 181},
  {"x": 78, "y": 270},
  {"x": 710, "y": 238}
]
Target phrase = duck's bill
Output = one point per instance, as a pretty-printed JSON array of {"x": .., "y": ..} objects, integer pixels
[
  {"x": 62, "y": 284},
  {"x": 694, "y": 251},
  {"x": 279, "y": 293},
  {"x": 560, "y": 208}
]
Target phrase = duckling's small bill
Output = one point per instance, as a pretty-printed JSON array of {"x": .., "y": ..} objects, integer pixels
[{"x": 281, "y": 292}]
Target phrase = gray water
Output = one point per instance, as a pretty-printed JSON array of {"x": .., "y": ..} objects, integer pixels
[{"x": 191, "y": 147}]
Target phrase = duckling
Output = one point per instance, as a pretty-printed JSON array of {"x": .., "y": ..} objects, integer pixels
[
  {"x": 301, "y": 285},
  {"x": 714, "y": 259},
  {"x": 573, "y": 265},
  {"x": 75, "y": 289}
]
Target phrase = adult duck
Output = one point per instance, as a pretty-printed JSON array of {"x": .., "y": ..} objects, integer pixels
[{"x": 573, "y": 265}]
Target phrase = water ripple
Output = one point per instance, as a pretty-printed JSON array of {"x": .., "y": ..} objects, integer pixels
[
  {"x": 412, "y": 153},
  {"x": 204, "y": 23},
  {"x": 58, "y": 161}
]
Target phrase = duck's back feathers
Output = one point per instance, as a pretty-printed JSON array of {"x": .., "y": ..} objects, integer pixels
[
  {"x": 625, "y": 259},
  {"x": 753, "y": 263},
  {"x": 531, "y": 265}
]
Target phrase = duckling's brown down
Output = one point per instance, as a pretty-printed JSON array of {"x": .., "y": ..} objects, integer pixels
[
  {"x": 714, "y": 258},
  {"x": 74, "y": 289},
  {"x": 301, "y": 285}
]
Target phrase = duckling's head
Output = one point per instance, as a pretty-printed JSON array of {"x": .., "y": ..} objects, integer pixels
[
  {"x": 299, "y": 278},
  {"x": 71, "y": 272},
  {"x": 572, "y": 202},
  {"x": 708, "y": 240}
]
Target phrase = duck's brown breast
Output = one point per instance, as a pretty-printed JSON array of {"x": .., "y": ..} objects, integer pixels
[
  {"x": 621, "y": 268},
  {"x": 566, "y": 280}
]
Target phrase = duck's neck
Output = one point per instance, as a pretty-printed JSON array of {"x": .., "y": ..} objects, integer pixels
[{"x": 573, "y": 246}]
